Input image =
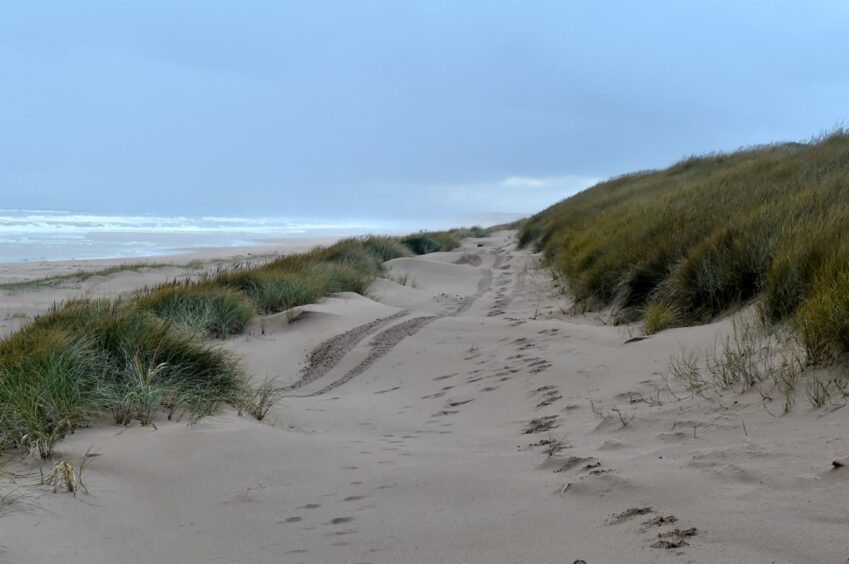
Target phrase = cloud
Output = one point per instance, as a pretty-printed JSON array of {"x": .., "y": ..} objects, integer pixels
[
  {"x": 523, "y": 182},
  {"x": 502, "y": 196}
]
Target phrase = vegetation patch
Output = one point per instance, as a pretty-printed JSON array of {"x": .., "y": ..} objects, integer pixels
[
  {"x": 207, "y": 311},
  {"x": 133, "y": 358},
  {"x": 711, "y": 234}
]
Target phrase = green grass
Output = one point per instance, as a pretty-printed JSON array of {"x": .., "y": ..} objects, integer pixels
[
  {"x": 271, "y": 291},
  {"x": 74, "y": 363},
  {"x": 712, "y": 233},
  {"x": 431, "y": 242},
  {"x": 207, "y": 311},
  {"x": 132, "y": 358},
  {"x": 385, "y": 248}
]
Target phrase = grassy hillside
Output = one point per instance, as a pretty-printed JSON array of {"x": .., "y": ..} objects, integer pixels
[
  {"x": 133, "y": 358},
  {"x": 681, "y": 245}
]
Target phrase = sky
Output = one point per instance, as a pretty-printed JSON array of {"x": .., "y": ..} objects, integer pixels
[{"x": 393, "y": 109}]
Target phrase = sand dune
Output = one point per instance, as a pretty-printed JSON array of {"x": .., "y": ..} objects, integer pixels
[{"x": 421, "y": 424}]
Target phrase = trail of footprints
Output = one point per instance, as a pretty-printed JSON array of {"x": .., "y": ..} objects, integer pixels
[
  {"x": 519, "y": 363},
  {"x": 337, "y": 528},
  {"x": 669, "y": 539},
  {"x": 502, "y": 297}
]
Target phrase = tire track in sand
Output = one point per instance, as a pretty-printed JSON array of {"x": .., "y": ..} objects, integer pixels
[
  {"x": 381, "y": 344},
  {"x": 330, "y": 353}
]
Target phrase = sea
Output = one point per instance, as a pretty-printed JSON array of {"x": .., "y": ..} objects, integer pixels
[{"x": 38, "y": 235}]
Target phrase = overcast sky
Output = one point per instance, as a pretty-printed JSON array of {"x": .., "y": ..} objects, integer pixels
[{"x": 393, "y": 109}]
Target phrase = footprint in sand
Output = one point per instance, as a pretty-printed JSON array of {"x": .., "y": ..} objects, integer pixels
[
  {"x": 618, "y": 518},
  {"x": 459, "y": 402},
  {"x": 340, "y": 520},
  {"x": 660, "y": 521},
  {"x": 675, "y": 538},
  {"x": 444, "y": 377},
  {"x": 540, "y": 425}
]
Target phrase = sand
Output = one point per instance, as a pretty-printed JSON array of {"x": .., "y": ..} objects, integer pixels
[{"x": 414, "y": 429}]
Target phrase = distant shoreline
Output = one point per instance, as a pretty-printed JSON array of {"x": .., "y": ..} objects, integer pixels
[
  {"x": 22, "y": 271},
  {"x": 202, "y": 251}
]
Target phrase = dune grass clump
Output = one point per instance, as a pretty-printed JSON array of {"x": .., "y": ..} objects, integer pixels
[
  {"x": 430, "y": 242},
  {"x": 711, "y": 234},
  {"x": 385, "y": 248},
  {"x": 207, "y": 311},
  {"x": 421, "y": 245},
  {"x": 79, "y": 360},
  {"x": 272, "y": 291},
  {"x": 659, "y": 316},
  {"x": 47, "y": 388},
  {"x": 475, "y": 231},
  {"x": 823, "y": 318},
  {"x": 341, "y": 277}
]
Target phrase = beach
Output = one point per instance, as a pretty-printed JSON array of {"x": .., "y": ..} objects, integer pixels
[{"x": 460, "y": 411}]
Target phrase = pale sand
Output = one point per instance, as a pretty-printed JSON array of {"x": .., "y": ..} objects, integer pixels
[{"x": 402, "y": 440}]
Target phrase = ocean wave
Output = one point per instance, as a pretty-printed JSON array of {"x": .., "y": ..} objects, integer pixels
[
  {"x": 27, "y": 235},
  {"x": 28, "y": 222}
]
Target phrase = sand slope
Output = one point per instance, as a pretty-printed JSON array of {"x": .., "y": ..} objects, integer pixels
[{"x": 411, "y": 430}]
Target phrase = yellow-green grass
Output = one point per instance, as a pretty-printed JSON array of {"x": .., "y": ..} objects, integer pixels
[{"x": 711, "y": 233}]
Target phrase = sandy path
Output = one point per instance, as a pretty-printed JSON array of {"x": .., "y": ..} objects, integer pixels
[{"x": 415, "y": 430}]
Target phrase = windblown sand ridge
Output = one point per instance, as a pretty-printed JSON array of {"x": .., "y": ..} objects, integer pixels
[{"x": 457, "y": 415}]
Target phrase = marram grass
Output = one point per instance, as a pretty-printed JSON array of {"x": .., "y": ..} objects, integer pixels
[{"x": 712, "y": 233}]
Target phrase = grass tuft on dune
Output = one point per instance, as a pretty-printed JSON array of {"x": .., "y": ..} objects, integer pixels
[{"x": 711, "y": 233}]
